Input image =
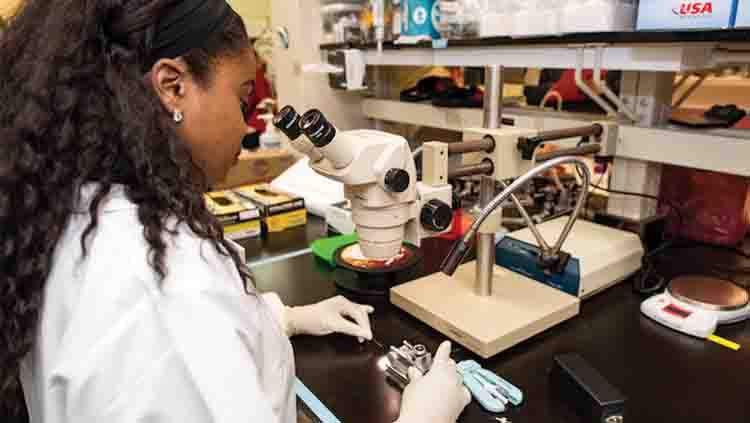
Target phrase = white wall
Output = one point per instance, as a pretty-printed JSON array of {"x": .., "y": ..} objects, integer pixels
[
  {"x": 255, "y": 13},
  {"x": 8, "y": 6},
  {"x": 306, "y": 91}
]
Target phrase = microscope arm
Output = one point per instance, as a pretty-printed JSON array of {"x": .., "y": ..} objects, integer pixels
[{"x": 459, "y": 250}]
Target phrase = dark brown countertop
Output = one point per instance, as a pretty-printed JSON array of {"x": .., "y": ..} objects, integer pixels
[{"x": 667, "y": 376}]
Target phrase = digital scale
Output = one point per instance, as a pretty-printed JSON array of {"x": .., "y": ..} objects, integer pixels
[{"x": 696, "y": 305}]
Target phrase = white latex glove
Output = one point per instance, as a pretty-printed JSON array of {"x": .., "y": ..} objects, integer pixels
[
  {"x": 437, "y": 397},
  {"x": 330, "y": 316}
]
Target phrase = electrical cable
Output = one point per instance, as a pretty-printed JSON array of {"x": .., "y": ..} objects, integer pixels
[
  {"x": 586, "y": 206},
  {"x": 650, "y": 197},
  {"x": 647, "y": 282},
  {"x": 669, "y": 204}
]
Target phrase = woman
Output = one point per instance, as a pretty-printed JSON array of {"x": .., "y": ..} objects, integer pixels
[{"x": 120, "y": 300}]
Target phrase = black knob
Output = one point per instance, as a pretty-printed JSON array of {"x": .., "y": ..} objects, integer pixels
[
  {"x": 287, "y": 120},
  {"x": 527, "y": 146},
  {"x": 456, "y": 200},
  {"x": 436, "y": 216},
  {"x": 397, "y": 180},
  {"x": 317, "y": 128}
]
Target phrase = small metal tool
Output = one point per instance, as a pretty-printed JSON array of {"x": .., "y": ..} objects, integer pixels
[
  {"x": 378, "y": 343},
  {"x": 400, "y": 359}
]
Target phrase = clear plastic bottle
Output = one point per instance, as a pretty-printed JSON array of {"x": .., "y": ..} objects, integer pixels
[
  {"x": 340, "y": 21},
  {"x": 380, "y": 20},
  {"x": 526, "y": 18},
  {"x": 573, "y": 15},
  {"x": 550, "y": 15},
  {"x": 460, "y": 18},
  {"x": 396, "y": 19},
  {"x": 271, "y": 138}
]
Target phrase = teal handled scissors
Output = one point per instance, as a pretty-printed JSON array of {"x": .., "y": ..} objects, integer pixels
[{"x": 491, "y": 391}]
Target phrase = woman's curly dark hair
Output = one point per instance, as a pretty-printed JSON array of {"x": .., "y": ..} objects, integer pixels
[{"x": 76, "y": 108}]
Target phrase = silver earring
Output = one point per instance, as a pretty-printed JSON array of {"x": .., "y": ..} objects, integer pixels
[{"x": 177, "y": 116}]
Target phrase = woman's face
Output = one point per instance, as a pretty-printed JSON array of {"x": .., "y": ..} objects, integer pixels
[{"x": 213, "y": 124}]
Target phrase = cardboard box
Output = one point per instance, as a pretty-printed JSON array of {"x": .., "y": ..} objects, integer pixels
[
  {"x": 743, "y": 14},
  {"x": 279, "y": 210},
  {"x": 256, "y": 167},
  {"x": 240, "y": 219},
  {"x": 686, "y": 14}
]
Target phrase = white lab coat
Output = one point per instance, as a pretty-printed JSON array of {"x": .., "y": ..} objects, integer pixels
[{"x": 113, "y": 345}]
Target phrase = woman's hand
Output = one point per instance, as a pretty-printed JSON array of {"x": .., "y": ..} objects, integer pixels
[
  {"x": 437, "y": 397},
  {"x": 335, "y": 315}
]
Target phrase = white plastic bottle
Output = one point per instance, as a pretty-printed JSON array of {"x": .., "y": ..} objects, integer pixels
[
  {"x": 511, "y": 21},
  {"x": 526, "y": 19},
  {"x": 271, "y": 138},
  {"x": 550, "y": 15},
  {"x": 460, "y": 18},
  {"x": 573, "y": 16},
  {"x": 396, "y": 20}
]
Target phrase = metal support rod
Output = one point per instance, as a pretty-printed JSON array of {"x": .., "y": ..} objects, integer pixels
[
  {"x": 602, "y": 86},
  {"x": 493, "y": 96},
  {"x": 682, "y": 81},
  {"x": 484, "y": 168},
  {"x": 486, "y": 244},
  {"x": 493, "y": 111},
  {"x": 583, "y": 150},
  {"x": 529, "y": 222},
  {"x": 594, "y": 130},
  {"x": 581, "y": 84},
  {"x": 690, "y": 91},
  {"x": 486, "y": 144},
  {"x": 723, "y": 57}
]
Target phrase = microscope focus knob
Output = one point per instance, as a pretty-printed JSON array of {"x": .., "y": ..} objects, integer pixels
[
  {"x": 436, "y": 216},
  {"x": 397, "y": 180}
]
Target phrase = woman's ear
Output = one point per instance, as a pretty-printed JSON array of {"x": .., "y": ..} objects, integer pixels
[{"x": 168, "y": 78}]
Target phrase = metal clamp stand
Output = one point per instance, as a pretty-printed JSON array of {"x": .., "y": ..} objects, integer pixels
[{"x": 550, "y": 256}]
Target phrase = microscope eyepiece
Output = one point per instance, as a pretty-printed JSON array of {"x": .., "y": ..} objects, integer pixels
[
  {"x": 317, "y": 128},
  {"x": 287, "y": 120}
]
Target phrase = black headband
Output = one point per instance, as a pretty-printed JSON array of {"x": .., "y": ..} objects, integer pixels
[{"x": 186, "y": 26}]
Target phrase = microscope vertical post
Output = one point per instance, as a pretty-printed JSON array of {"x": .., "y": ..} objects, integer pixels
[
  {"x": 493, "y": 109},
  {"x": 485, "y": 243}
]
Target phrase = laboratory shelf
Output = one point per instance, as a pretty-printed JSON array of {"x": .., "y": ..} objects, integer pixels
[
  {"x": 716, "y": 150},
  {"x": 681, "y": 51},
  {"x": 628, "y": 37},
  {"x": 456, "y": 119}
]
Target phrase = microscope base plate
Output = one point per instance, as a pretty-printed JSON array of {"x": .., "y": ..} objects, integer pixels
[{"x": 518, "y": 309}]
